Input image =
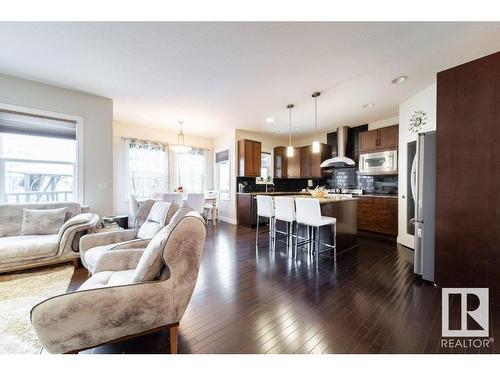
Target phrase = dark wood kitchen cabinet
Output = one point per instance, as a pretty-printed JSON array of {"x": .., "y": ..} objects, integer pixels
[
  {"x": 280, "y": 162},
  {"x": 378, "y": 214},
  {"x": 379, "y": 140},
  {"x": 293, "y": 167},
  {"x": 249, "y": 158},
  {"x": 310, "y": 162}
]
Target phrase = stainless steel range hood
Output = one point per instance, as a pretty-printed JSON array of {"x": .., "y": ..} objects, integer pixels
[{"x": 341, "y": 160}]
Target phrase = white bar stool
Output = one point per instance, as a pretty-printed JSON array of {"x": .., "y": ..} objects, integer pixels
[
  {"x": 265, "y": 208},
  {"x": 309, "y": 214},
  {"x": 284, "y": 210}
]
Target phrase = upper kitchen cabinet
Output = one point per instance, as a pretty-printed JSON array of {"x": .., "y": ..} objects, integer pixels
[
  {"x": 249, "y": 158},
  {"x": 379, "y": 139},
  {"x": 310, "y": 162},
  {"x": 303, "y": 164},
  {"x": 280, "y": 162},
  {"x": 293, "y": 163}
]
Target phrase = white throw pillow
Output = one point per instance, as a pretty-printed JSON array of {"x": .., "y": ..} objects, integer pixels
[{"x": 43, "y": 221}]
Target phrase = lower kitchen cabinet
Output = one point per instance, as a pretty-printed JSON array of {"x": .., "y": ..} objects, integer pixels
[{"x": 378, "y": 214}]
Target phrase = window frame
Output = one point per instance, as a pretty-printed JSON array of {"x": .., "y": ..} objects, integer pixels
[
  {"x": 79, "y": 186},
  {"x": 217, "y": 174}
]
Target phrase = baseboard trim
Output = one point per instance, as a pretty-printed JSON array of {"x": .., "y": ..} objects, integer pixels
[{"x": 228, "y": 220}]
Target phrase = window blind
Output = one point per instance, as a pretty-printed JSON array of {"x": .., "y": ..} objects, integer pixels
[{"x": 22, "y": 123}]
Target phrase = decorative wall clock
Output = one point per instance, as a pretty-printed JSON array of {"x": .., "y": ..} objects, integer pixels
[{"x": 417, "y": 121}]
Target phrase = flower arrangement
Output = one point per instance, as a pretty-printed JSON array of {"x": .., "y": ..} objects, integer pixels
[{"x": 179, "y": 189}]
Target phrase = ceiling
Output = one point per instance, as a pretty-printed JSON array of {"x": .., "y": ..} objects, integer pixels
[{"x": 217, "y": 76}]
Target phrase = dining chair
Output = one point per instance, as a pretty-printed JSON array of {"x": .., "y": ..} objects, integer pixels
[
  {"x": 211, "y": 208},
  {"x": 176, "y": 198},
  {"x": 196, "y": 201}
]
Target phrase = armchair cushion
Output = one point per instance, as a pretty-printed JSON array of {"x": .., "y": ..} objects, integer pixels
[
  {"x": 158, "y": 216},
  {"x": 151, "y": 262},
  {"x": 47, "y": 221},
  {"x": 107, "y": 278},
  {"x": 118, "y": 260}
]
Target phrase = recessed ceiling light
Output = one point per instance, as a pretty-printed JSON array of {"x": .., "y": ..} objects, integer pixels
[
  {"x": 399, "y": 79},
  {"x": 369, "y": 105},
  {"x": 269, "y": 120}
]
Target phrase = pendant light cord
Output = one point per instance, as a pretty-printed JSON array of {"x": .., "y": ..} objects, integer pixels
[{"x": 290, "y": 106}]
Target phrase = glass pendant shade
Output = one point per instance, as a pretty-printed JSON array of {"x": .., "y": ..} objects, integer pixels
[
  {"x": 315, "y": 147},
  {"x": 289, "y": 151}
]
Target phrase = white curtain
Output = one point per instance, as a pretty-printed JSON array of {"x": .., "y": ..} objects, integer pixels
[
  {"x": 147, "y": 168},
  {"x": 191, "y": 171}
]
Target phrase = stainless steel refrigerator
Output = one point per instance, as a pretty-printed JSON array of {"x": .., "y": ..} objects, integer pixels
[{"x": 423, "y": 187}]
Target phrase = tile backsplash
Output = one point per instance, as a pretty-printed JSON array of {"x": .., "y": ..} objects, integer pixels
[
  {"x": 279, "y": 184},
  {"x": 352, "y": 179}
]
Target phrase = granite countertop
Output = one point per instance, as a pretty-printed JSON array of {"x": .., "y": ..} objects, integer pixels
[
  {"x": 275, "y": 193},
  {"x": 329, "y": 198}
]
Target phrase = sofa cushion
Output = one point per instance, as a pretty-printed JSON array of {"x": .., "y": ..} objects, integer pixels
[
  {"x": 108, "y": 278},
  {"x": 157, "y": 219},
  {"x": 11, "y": 214},
  {"x": 151, "y": 262},
  {"x": 47, "y": 221},
  {"x": 17, "y": 248}
]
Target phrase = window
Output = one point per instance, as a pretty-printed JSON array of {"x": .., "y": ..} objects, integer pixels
[
  {"x": 265, "y": 165},
  {"x": 223, "y": 174},
  {"x": 147, "y": 168},
  {"x": 191, "y": 169},
  {"x": 37, "y": 159}
]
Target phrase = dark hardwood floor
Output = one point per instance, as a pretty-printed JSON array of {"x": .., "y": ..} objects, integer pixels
[{"x": 261, "y": 302}]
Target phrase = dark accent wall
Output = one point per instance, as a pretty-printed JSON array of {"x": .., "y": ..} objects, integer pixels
[{"x": 468, "y": 175}]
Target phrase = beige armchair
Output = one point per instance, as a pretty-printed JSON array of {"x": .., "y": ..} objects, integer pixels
[
  {"x": 116, "y": 304},
  {"x": 93, "y": 246}
]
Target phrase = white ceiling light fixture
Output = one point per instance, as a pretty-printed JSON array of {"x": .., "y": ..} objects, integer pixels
[
  {"x": 369, "y": 105},
  {"x": 399, "y": 79},
  {"x": 289, "y": 149},
  {"x": 315, "y": 144},
  {"x": 180, "y": 148},
  {"x": 269, "y": 120}
]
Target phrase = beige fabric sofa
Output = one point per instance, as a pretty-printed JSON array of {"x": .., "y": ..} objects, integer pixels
[
  {"x": 93, "y": 246},
  {"x": 133, "y": 297},
  {"x": 19, "y": 251}
]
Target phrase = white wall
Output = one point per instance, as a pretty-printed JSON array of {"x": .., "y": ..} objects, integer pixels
[
  {"x": 307, "y": 141},
  {"x": 425, "y": 100},
  {"x": 383, "y": 123},
  {"x": 97, "y": 114},
  {"x": 121, "y": 129}
]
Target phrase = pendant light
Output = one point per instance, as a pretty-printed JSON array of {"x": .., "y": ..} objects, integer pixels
[
  {"x": 289, "y": 149},
  {"x": 315, "y": 144},
  {"x": 180, "y": 148}
]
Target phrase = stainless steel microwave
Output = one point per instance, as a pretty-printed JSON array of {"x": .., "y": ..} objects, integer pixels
[{"x": 375, "y": 163}]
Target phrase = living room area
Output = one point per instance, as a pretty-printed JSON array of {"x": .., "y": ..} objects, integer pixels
[{"x": 248, "y": 185}]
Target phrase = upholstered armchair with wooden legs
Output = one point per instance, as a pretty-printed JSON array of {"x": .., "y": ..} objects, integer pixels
[
  {"x": 119, "y": 304},
  {"x": 93, "y": 246}
]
